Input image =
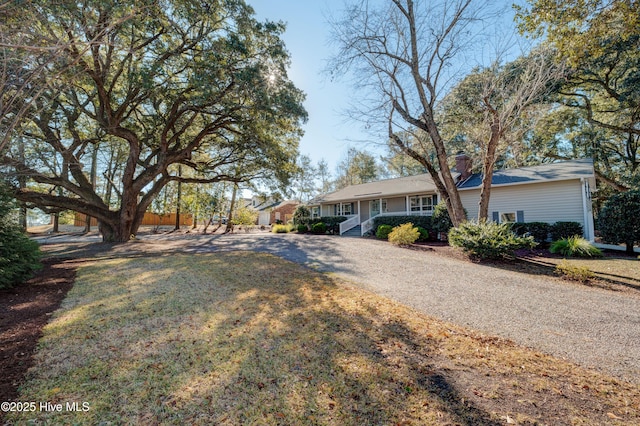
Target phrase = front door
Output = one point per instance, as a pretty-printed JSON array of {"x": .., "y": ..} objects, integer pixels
[{"x": 374, "y": 208}]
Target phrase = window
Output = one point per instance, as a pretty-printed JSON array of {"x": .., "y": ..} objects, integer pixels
[
  {"x": 346, "y": 209},
  {"x": 508, "y": 217},
  {"x": 374, "y": 207},
  {"x": 423, "y": 203},
  {"x": 315, "y": 212}
]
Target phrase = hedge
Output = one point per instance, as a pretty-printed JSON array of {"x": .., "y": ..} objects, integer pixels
[{"x": 393, "y": 221}]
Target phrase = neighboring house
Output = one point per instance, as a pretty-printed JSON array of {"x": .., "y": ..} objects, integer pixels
[
  {"x": 283, "y": 212},
  {"x": 545, "y": 193},
  {"x": 271, "y": 211}
]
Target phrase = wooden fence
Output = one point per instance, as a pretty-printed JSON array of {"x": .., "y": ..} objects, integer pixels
[{"x": 150, "y": 219}]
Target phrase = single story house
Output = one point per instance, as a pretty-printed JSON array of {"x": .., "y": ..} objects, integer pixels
[
  {"x": 271, "y": 211},
  {"x": 546, "y": 193}
]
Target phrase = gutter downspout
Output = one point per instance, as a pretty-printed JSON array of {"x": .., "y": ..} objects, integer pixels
[{"x": 587, "y": 210}]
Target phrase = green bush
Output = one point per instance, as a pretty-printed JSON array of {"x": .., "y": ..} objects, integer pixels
[
  {"x": 331, "y": 222},
  {"x": 302, "y": 229},
  {"x": 619, "y": 220},
  {"x": 383, "y": 231},
  {"x": 560, "y": 230},
  {"x": 302, "y": 216},
  {"x": 440, "y": 220},
  {"x": 575, "y": 246},
  {"x": 19, "y": 255},
  {"x": 393, "y": 221},
  {"x": 319, "y": 228},
  {"x": 425, "y": 235},
  {"x": 488, "y": 240},
  {"x": 538, "y": 230},
  {"x": 404, "y": 234},
  {"x": 573, "y": 273}
]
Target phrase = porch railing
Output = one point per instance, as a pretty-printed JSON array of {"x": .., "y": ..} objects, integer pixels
[{"x": 352, "y": 222}]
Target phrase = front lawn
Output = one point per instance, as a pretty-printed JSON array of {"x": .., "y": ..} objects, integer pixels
[{"x": 245, "y": 338}]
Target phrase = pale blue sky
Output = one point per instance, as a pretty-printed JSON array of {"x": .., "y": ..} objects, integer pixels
[{"x": 329, "y": 133}]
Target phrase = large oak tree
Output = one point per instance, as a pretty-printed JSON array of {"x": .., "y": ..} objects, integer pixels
[{"x": 161, "y": 83}]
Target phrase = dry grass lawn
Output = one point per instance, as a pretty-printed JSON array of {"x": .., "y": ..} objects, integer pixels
[{"x": 250, "y": 339}]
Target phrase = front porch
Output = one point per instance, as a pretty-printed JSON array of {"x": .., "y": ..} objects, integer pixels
[{"x": 362, "y": 213}]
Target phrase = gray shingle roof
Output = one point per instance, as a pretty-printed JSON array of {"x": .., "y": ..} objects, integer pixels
[
  {"x": 423, "y": 184},
  {"x": 419, "y": 184},
  {"x": 565, "y": 170}
]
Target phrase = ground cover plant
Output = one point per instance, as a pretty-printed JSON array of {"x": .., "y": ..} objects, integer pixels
[
  {"x": 575, "y": 246},
  {"x": 247, "y": 338}
]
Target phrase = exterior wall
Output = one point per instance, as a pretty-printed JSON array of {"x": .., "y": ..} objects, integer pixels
[
  {"x": 283, "y": 213},
  {"x": 398, "y": 204},
  {"x": 541, "y": 202}
]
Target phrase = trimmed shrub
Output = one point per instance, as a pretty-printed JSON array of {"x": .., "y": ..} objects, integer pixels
[
  {"x": 282, "y": 228},
  {"x": 424, "y": 234},
  {"x": 393, "y": 221},
  {"x": 404, "y": 234},
  {"x": 619, "y": 220},
  {"x": 383, "y": 231},
  {"x": 302, "y": 216},
  {"x": 331, "y": 222},
  {"x": 575, "y": 246},
  {"x": 573, "y": 273},
  {"x": 440, "y": 221},
  {"x": 319, "y": 228},
  {"x": 488, "y": 240},
  {"x": 19, "y": 255},
  {"x": 560, "y": 230},
  {"x": 302, "y": 229},
  {"x": 538, "y": 230}
]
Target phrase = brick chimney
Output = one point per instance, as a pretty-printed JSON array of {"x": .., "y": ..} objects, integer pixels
[{"x": 463, "y": 165}]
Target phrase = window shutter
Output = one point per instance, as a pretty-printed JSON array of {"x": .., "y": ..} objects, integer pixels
[
  {"x": 520, "y": 216},
  {"x": 496, "y": 217}
]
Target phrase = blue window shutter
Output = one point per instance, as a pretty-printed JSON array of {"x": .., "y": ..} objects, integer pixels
[
  {"x": 496, "y": 217},
  {"x": 520, "y": 216}
]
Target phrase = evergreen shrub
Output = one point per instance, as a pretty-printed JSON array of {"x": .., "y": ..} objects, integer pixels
[
  {"x": 19, "y": 255},
  {"x": 383, "y": 231},
  {"x": 404, "y": 234},
  {"x": 319, "y": 228},
  {"x": 488, "y": 240},
  {"x": 560, "y": 230}
]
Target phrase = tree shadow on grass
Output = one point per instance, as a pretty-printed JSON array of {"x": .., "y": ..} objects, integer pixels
[{"x": 268, "y": 343}]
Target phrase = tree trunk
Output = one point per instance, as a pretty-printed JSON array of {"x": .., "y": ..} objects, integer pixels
[
  {"x": 56, "y": 222},
  {"x": 629, "y": 249},
  {"x": 487, "y": 170},
  {"x": 177, "y": 227},
  {"x": 231, "y": 207}
]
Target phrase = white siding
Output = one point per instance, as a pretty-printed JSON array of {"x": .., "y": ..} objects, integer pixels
[{"x": 541, "y": 202}]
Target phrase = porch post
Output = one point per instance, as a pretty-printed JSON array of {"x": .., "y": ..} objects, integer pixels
[
  {"x": 359, "y": 216},
  {"x": 406, "y": 205}
]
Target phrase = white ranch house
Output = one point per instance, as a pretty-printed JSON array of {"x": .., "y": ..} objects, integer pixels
[{"x": 546, "y": 193}]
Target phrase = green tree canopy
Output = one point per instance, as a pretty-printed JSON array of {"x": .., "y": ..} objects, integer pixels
[
  {"x": 161, "y": 82},
  {"x": 600, "y": 42}
]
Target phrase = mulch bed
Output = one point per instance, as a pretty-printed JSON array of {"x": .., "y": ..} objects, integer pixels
[{"x": 24, "y": 310}]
